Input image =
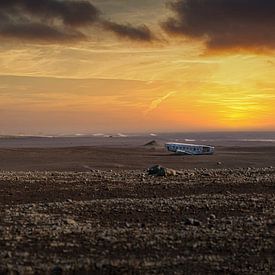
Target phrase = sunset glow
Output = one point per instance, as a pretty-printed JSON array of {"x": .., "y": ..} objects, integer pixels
[{"x": 114, "y": 81}]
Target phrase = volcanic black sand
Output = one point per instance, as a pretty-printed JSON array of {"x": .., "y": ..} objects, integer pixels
[{"x": 95, "y": 210}]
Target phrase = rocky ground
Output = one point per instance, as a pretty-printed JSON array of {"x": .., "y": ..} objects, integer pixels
[{"x": 120, "y": 222}]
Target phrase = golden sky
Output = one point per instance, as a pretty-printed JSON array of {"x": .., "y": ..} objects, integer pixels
[{"x": 134, "y": 66}]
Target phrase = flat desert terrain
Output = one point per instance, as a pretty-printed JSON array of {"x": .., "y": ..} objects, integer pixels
[
  {"x": 95, "y": 210},
  {"x": 81, "y": 159}
]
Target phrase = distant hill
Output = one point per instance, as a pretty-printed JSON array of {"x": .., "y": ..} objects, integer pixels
[{"x": 152, "y": 143}]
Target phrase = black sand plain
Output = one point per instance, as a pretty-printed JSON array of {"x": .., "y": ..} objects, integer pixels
[{"x": 95, "y": 210}]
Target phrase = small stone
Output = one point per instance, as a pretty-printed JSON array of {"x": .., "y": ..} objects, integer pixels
[
  {"x": 57, "y": 271},
  {"x": 71, "y": 222},
  {"x": 212, "y": 217},
  {"x": 229, "y": 222},
  {"x": 7, "y": 254},
  {"x": 127, "y": 224},
  {"x": 193, "y": 222},
  {"x": 28, "y": 270}
]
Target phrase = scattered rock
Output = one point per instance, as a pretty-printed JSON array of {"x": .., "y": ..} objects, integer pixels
[
  {"x": 160, "y": 171},
  {"x": 92, "y": 220}
]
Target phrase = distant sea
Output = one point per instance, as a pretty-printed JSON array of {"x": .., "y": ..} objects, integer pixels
[{"x": 231, "y": 139}]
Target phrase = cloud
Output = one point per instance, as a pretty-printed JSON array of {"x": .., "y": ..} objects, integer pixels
[
  {"x": 155, "y": 103},
  {"x": 59, "y": 20},
  {"x": 39, "y": 32},
  {"x": 140, "y": 33},
  {"x": 73, "y": 13},
  {"x": 225, "y": 24}
]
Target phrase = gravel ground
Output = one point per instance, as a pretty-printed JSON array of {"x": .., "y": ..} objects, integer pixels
[{"x": 125, "y": 222}]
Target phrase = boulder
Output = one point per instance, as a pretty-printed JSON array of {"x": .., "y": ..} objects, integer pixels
[{"x": 160, "y": 171}]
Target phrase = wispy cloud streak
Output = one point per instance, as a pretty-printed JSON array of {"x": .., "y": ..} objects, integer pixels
[{"x": 155, "y": 103}]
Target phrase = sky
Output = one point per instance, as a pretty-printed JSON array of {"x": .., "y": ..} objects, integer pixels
[{"x": 80, "y": 66}]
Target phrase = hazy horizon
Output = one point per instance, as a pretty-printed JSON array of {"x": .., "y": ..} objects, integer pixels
[{"x": 137, "y": 133}]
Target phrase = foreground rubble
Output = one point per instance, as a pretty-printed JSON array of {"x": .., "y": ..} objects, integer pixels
[{"x": 197, "y": 221}]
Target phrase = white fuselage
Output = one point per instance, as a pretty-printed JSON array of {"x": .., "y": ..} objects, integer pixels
[{"x": 189, "y": 149}]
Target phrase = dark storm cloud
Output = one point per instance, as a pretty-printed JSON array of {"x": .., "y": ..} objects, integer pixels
[
  {"x": 141, "y": 33},
  {"x": 39, "y": 32},
  {"x": 70, "y": 12},
  {"x": 223, "y": 24},
  {"x": 59, "y": 20}
]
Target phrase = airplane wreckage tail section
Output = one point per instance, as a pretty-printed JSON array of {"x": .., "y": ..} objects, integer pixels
[{"x": 189, "y": 149}]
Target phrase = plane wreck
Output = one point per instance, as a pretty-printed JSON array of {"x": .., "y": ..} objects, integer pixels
[{"x": 189, "y": 149}]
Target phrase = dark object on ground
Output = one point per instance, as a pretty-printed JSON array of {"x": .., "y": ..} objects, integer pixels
[
  {"x": 57, "y": 271},
  {"x": 160, "y": 171},
  {"x": 152, "y": 143},
  {"x": 190, "y": 221}
]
